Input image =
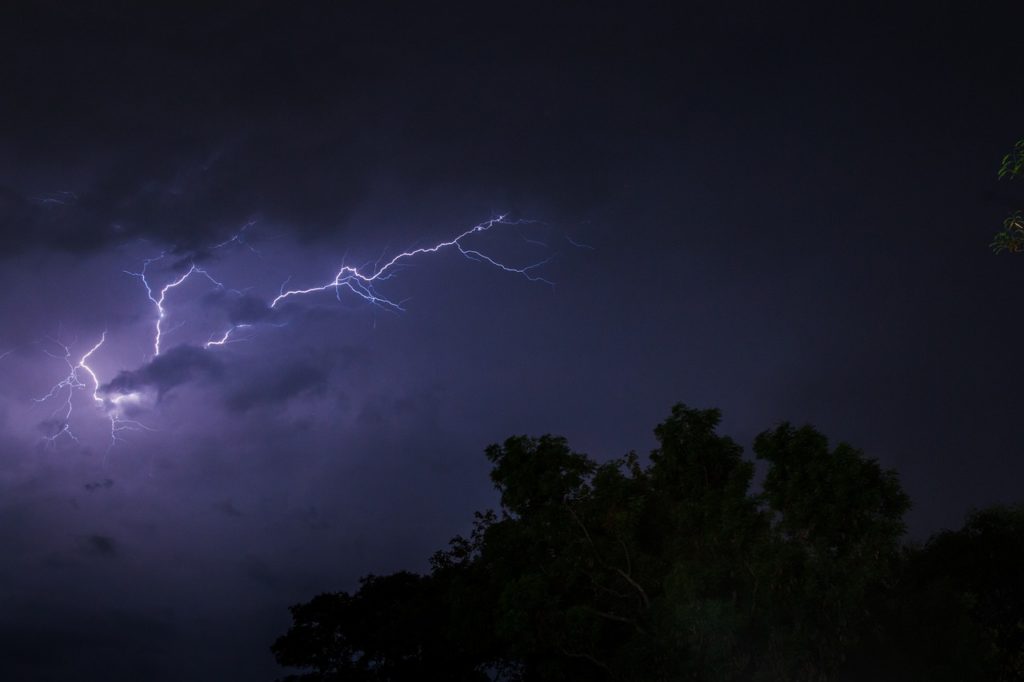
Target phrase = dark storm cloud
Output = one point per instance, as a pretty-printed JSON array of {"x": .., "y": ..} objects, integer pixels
[
  {"x": 57, "y": 642},
  {"x": 227, "y": 508},
  {"x": 100, "y": 545},
  {"x": 261, "y": 573},
  {"x": 241, "y": 308},
  {"x": 315, "y": 519},
  {"x": 177, "y": 366},
  {"x": 276, "y": 385},
  {"x": 189, "y": 204},
  {"x": 99, "y": 485},
  {"x": 383, "y": 411},
  {"x": 198, "y": 152},
  {"x": 293, "y": 119}
]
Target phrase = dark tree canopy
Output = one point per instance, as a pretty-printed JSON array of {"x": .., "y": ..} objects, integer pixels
[{"x": 673, "y": 568}]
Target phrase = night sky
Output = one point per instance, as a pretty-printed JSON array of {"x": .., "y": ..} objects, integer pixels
[{"x": 782, "y": 212}]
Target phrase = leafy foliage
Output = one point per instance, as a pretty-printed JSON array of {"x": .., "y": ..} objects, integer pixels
[
  {"x": 1011, "y": 237},
  {"x": 1013, "y": 163},
  {"x": 674, "y": 569}
]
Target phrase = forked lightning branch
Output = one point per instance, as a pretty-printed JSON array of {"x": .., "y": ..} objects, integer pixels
[{"x": 363, "y": 283}]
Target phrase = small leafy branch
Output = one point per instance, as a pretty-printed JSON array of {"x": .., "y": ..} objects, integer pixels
[
  {"x": 1011, "y": 237},
  {"x": 1013, "y": 163}
]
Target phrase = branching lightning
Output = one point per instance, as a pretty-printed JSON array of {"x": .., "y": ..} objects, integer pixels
[
  {"x": 225, "y": 338},
  {"x": 158, "y": 301},
  {"x": 72, "y": 382},
  {"x": 579, "y": 245},
  {"x": 362, "y": 282},
  {"x": 238, "y": 238}
]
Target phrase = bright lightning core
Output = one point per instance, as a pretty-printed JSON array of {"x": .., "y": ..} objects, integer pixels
[
  {"x": 362, "y": 282},
  {"x": 81, "y": 376}
]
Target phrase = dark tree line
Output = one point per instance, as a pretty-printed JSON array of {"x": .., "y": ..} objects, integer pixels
[{"x": 672, "y": 569}]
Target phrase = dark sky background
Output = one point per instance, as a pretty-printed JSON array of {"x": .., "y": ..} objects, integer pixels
[{"x": 789, "y": 209}]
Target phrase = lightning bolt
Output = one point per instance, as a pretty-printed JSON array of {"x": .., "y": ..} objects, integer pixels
[
  {"x": 72, "y": 382},
  {"x": 362, "y": 282},
  {"x": 238, "y": 238},
  {"x": 158, "y": 301},
  {"x": 225, "y": 337},
  {"x": 579, "y": 245}
]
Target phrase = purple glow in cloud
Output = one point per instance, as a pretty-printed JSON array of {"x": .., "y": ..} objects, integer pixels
[
  {"x": 113, "y": 397},
  {"x": 73, "y": 381}
]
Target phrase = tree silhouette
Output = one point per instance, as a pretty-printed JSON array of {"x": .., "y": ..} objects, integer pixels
[{"x": 672, "y": 568}]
